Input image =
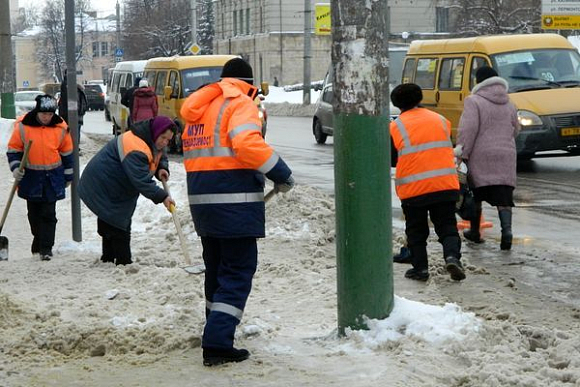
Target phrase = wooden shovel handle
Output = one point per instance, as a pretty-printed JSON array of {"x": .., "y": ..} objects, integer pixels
[{"x": 23, "y": 163}]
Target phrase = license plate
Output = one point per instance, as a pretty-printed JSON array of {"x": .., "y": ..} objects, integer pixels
[{"x": 570, "y": 132}]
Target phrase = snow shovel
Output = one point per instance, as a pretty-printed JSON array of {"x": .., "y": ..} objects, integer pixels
[
  {"x": 3, "y": 239},
  {"x": 190, "y": 268}
]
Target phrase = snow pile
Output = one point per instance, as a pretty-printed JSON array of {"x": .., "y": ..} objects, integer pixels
[
  {"x": 289, "y": 103},
  {"x": 5, "y": 133}
]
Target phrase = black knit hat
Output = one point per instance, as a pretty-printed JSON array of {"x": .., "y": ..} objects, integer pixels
[
  {"x": 406, "y": 96},
  {"x": 45, "y": 103},
  {"x": 238, "y": 68},
  {"x": 483, "y": 73}
]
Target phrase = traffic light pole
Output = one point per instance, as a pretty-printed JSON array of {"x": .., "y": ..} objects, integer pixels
[{"x": 362, "y": 161}]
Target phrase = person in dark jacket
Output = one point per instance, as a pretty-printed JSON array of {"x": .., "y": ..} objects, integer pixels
[
  {"x": 115, "y": 177},
  {"x": 82, "y": 104},
  {"x": 144, "y": 102},
  {"x": 48, "y": 172},
  {"x": 128, "y": 96}
]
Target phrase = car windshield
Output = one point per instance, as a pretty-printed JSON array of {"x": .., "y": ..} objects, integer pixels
[
  {"x": 538, "y": 69},
  {"x": 193, "y": 79},
  {"x": 25, "y": 97}
]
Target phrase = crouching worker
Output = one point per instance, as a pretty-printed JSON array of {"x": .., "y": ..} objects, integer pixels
[
  {"x": 113, "y": 179},
  {"x": 426, "y": 181},
  {"x": 48, "y": 172}
]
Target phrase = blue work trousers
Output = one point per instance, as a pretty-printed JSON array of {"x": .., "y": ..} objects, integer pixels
[{"x": 230, "y": 264}]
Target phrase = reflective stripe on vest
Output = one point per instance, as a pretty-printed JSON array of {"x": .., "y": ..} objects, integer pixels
[
  {"x": 140, "y": 146},
  {"x": 227, "y": 198},
  {"x": 217, "y": 150},
  {"x": 224, "y": 308},
  {"x": 43, "y": 167},
  {"x": 409, "y": 149}
]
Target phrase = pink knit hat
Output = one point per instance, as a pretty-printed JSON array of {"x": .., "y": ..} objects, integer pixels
[{"x": 160, "y": 125}]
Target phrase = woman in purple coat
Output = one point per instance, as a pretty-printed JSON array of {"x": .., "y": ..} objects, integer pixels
[{"x": 487, "y": 131}]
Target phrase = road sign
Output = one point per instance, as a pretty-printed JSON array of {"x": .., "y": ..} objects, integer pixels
[
  {"x": 119, "y": 52},
  {"x": 195, "y": 49},
  {"x": 560, "y": 14}
]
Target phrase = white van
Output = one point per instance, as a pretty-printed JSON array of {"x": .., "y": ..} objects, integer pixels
[{"x": 122, "y": 78}]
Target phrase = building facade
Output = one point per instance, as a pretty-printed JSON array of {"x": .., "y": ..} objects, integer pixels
[
  {"x": 270, "y": 33},
  {"x": 97, "y": 55}
]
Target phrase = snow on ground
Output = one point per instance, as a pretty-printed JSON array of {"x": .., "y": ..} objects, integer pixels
[{"x": 75, "y": 321}]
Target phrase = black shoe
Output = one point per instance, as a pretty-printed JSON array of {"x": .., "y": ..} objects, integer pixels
[
  {"x": 473, "y": 236},
  {"x": 404, "y": 256},
  {"x": 212, "y": 356},
  {"x": 454, "y": 268},
  {"x": 417, "y": 274},
  {"x": 46, "y": 257}
]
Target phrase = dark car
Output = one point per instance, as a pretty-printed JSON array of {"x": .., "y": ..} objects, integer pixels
[{"x": 95, "y": 96}]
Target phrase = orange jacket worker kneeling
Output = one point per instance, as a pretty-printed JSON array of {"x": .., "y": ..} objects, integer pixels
[{"x": 426, "y": 181}]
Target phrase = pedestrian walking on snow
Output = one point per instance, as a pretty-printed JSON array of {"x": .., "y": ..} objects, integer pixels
[
  {"x": 226, "y": 159},
  {"x": 144, "y": 103},
  {"x": 128, "y": 96},
  {"x": 49, "y": 170},
  {"x": 115, "y": 177},
  {"x": 486, "y": 136},
  {"x": 426, "y": 181}
]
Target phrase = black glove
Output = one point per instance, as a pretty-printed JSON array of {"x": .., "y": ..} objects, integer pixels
[{"x": 286, "y": 186}]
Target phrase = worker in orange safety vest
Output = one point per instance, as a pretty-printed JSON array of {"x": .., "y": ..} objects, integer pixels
[
  {"x": 48, "y": 172},
  {"x": 226, "y": 160},
  {"x": 426, "y": 181}
]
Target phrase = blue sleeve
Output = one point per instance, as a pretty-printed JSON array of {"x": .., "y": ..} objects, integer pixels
[{"x": 280, "y": 173}]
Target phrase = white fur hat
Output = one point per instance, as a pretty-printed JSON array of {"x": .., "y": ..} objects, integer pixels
[{"x": 143, "y": 83}]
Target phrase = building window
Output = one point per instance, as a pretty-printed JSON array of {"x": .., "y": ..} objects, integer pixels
[
  {"x": 241, "y": 21},
  {"x": 104, "y": 48},
  {"x": 247, "y": 21},
  {"x": 235, "y": 23},
  {"x": 95, "y": 49},
  {"x": 261, "y": 19},
  {"x": 442, "y": 19}
]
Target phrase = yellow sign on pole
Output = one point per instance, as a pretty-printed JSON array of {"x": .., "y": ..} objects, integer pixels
[
  {"x": 560, "y": 15},
  {"x": 195, "y": 49},
  {"x": 322, "y": 22}
]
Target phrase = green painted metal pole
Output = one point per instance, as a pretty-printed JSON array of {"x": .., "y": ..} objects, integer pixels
[
  {"x": 362, "y": 162},
  {"x": 7, "y": 82}
]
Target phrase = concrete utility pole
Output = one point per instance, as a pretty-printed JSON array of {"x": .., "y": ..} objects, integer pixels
[
  {"x": 118, "y": 32},
  {"x": 362, "y": 161},
  {"x": 307, "y": 50},
  {"x": 194, "y": 21},
  {"x": 72, "y": 101},
  {"x": 7, "y": 87}
]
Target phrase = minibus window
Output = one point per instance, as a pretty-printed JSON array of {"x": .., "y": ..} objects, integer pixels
[
  {"x": 160, "y": 83},
  {"x": 451, "y": 74},
  {"x": 538, "y": 69},
  {"x": 408, "y": 71},
  {"x": 476, "y": 63},
  {"x": 193, "y": 79},
  {"x": 425, "y": 75},
  {"x": 174, "y": 83}
]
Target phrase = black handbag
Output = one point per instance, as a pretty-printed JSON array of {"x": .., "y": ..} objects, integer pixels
[{"x": 465, "y": 206}]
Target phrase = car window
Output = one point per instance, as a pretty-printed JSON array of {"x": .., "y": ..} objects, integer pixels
[
  {"x": 327, "y": 95},
  {"x": 129, "y": 81},
  {"x": 115, "y": 87},
  {"x": 174, "y": 83},
  {"x": 193, "y": 79}
]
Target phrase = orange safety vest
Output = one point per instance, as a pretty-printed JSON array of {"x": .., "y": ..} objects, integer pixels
[
  {"x": 425, "y": 154},
  {"x": 49, "y": 143},
  {"x": 129, "y": 142}
]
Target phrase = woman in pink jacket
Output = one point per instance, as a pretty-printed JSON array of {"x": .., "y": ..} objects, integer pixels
[
  {"x": 144, "y": 103},
  {"x": 487, "y": 131}
]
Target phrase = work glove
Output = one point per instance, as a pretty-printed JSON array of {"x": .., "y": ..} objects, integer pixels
[
  {"x": 18, "y": 174},
  {"x": 286, "y": 186}
]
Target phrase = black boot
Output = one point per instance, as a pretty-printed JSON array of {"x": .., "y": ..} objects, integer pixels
[
  {"x": 215, "y": 356},
  {"x": 473, "y": 234},
  {"x": 505, "y": 219}
]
